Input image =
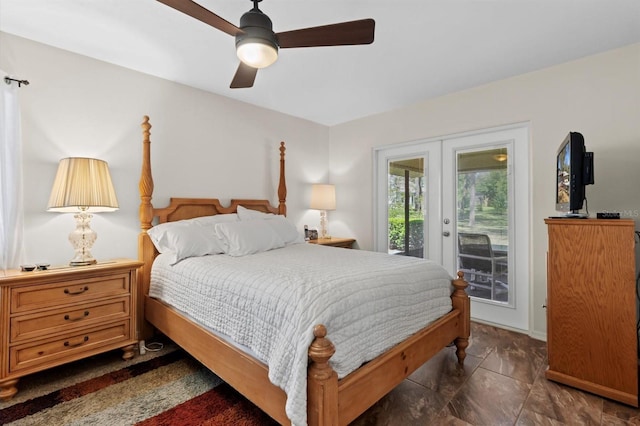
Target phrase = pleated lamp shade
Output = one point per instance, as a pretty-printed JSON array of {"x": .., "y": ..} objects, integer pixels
[{"x": 82, "y": 183}]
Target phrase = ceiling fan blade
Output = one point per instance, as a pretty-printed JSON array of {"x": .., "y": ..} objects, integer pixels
[
  {"x": 343, "y": 34},
  {"x": 245, "y": 76},
  {"x": 194, "y": 10}
]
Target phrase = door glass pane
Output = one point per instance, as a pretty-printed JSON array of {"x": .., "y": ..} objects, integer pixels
[
  {"x": 483, "y": 222},
  {"x": 406, "y": 207}
]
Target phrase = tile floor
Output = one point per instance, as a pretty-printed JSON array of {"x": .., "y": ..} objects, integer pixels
[{"x": 503, "y": 384}]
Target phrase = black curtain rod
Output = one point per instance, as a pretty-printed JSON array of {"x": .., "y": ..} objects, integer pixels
[{"x": 8, "y": 80}]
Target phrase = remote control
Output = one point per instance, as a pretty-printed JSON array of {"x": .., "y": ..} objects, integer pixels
[{"x": 608, "y": 215}]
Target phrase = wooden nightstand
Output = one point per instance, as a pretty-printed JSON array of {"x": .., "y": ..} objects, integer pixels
[
  {"x": 334, "y": 242},
  {"x": 63, "y": 314}
]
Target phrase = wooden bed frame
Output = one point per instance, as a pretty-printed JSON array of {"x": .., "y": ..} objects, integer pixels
[{"x": 329, "y": 401}]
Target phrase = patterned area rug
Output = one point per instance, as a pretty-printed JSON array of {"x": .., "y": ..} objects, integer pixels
[{"x": 159, "y": 388}]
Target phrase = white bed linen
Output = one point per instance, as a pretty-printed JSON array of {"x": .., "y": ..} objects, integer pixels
[{"x": 271, "y": 301}]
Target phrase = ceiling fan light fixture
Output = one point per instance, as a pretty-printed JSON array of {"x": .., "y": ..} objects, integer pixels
[
  {"x": 257, "y": 53},
  {"x": 257, "y": 45}
]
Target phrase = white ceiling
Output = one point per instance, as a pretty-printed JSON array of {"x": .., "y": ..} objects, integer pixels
[{"x": 422, "y": 48}]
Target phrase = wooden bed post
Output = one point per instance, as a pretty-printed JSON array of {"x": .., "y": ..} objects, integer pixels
[
  {"x": 322, "y": 381},
  {"x": 461, "y": 301},
  {"x": 282, "y": 184},
  {"x": 145, "y": 186},
  {"x": 146, "y": 250}
]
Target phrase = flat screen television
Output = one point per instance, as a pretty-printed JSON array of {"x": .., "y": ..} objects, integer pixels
[{"x": 574, "y": 171}]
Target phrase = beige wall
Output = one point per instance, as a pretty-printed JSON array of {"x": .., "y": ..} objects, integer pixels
[
  {"x": 203, "y": 145},
  {"x": 598, "y": 96}
]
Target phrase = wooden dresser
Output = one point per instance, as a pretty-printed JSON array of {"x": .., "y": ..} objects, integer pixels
[
  {"x": 591, "y": 307},
  {"x": 51, "y": 317},
  {"x": 334, "y": 242}
]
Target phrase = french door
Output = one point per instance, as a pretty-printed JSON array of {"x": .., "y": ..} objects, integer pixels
[
  {"x": 408, "y": 181},
  {"x": 462, "y": 201}
]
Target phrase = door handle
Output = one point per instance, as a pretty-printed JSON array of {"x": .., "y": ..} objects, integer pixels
[{"x": 446, "y": 233}]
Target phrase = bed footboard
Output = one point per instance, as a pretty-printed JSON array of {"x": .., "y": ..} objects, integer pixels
[{"x": 338, "y": 402}]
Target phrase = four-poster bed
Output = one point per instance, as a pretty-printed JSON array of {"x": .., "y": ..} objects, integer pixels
[{"x": 330, "y": 401}]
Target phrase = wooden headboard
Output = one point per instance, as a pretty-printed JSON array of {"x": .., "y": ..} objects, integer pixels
[{"x": 185, "y": 208}]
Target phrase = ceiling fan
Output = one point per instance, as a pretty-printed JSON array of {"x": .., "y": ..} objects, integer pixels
[{"x": 257, "y": 45}]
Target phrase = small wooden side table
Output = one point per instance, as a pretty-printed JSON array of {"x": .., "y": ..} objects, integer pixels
[
  {"x": 63, "y": 314},
  {"x": 334, "y": 242}
]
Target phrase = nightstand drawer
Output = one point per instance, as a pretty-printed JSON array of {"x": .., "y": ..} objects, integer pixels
[
  {"x": 46, "y": 295},
  {"x": 64, "y": 347},
  {"x": 60, "y": 320}
]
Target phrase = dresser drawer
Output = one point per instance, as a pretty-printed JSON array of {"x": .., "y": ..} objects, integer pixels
[
  {"x": 72, "y": 291},
  {"x": 47, "y": 323},
  {"x": 61, "y": 349}
]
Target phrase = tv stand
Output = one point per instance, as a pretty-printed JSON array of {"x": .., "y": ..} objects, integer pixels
[
  {"x": 576, "y": 215},
  {"x": 591, "y": 307},
  {"x": 573, "y": 215}
]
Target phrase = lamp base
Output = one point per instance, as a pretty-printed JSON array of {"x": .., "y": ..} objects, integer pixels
[
  {"x": 82, "y": 239},
  {"x": 323, "y": 224},
  {"x": 83, "y": 262}
]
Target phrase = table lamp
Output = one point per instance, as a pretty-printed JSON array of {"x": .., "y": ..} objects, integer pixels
[
  {"x": 323, "y": 198},
  {"x": 82, "y": 186}
]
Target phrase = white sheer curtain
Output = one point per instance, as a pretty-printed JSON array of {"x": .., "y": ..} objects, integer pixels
[{"x": 11, "y": 201}]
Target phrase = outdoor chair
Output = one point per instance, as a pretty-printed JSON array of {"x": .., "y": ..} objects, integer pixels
[{"x": 482, "y": 266}]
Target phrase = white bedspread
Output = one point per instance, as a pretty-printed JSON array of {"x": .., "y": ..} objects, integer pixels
[{"x": 271, "y": 301}]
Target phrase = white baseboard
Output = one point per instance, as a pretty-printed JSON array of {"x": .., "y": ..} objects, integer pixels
[
  {"x": 533, "y": 334},
  {"x": 538, "y": 335}
]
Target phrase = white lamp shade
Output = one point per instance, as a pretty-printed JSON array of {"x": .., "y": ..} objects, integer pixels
[
  {"x": 323, "y": 197},
  {"x": 82, "y": 183},
  {"x": 256, "y": 53}
]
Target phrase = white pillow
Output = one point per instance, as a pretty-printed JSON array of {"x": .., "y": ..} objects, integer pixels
[
  {"x": 212, "y": 220},
  {"x": 248, "y": 237},
  {"x": 285, "y": 229},
  {"x": 189, "y": 238},
  {"x": 248, "y": 214},
  {"x": 280, "y": 224}
]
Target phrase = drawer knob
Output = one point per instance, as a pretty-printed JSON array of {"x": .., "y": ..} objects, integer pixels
[
  {"x": 80, "y": 291},
  {"x": 73, "y": 345},
  {"x": 84, "y": 315}
]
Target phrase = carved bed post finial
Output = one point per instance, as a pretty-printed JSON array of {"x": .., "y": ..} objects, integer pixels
[
  {"x": 146, "y": 180},
  {"x": 461, "y": 301},
  {"x": 282, "y": 185},
  {"x": 322, "y": 381},
  {"x": 320, "y": 351}
]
